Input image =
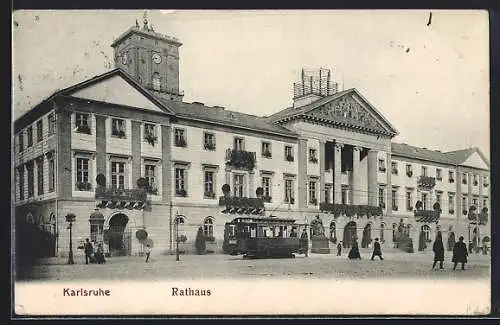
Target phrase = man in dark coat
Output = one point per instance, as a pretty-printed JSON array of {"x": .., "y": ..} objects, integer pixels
[
  {"x": 438, "y": 249},
  {"x": 304, "y": 242},
  {"x": 89, "y": 250},
  {"x": 339, "y": 249},
  {"x": 354, "y": 252},
  {"x": 460, "y": 253},
  {"x": 377, "y": 251}
]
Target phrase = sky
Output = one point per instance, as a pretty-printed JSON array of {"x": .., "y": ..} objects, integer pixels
[{"x": 428, "y": 77}]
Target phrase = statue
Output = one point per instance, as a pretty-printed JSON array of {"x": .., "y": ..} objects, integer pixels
[
  {"x": 317, "y": 228},
  {"x": 320, "y": 243}
]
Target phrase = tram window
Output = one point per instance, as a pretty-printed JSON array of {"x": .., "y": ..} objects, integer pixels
[
  {"x": 260, "y": 232},
  {"x": 253, "y": 231},
  {"x": 232, "y": 229},
  {"x": 293, "y": 232}
]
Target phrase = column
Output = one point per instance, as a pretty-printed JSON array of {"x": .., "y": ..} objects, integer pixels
[
  {"x": 372, "y": 177},
  {"x": 136, "y": 152},
  {"x": 322, "y": 172},
  {"x": 251, "y": 191},
  {"x": 337, "y": 171},
  {"x": 388, "y": 172},
  {"x": 302, "y": 177},
  {"x": 356, "y": 175}
]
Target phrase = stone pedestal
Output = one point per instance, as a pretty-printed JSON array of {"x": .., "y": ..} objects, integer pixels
[{"x": 320, "y": 245}]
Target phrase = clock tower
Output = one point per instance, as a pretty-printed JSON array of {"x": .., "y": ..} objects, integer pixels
[{"x": 151, "y": 58}]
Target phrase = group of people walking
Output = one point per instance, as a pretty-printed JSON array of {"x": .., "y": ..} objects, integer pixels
[
  {"x": 91, "y": 256},
  {"x": 460, "y": 252}
]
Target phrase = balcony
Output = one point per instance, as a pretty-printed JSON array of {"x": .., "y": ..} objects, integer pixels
[
  {"x": 427, "y": 215},
  {"x": 241, "y": 159},
  {"x": 350, "y": 210},
  {"x": 426, "y": 182},
  {"x": 482, "y": 217},
  {"x": 121, "y": 198},
  {"x": 242, "y": 205}
]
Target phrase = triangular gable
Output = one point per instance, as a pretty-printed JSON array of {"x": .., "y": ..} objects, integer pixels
[
  {"x": 476, "y": 161},
  {"x": 116, "y": 90},
  {"x": 353, "y": 110}
]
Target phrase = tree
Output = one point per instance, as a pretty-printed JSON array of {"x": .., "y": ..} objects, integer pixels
[{"x": 200, "y": 242}]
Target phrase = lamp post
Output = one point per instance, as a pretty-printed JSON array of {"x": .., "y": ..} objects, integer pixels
[
  {"x": 70, "y": 218},
  {"x": 177, "y": 217}
]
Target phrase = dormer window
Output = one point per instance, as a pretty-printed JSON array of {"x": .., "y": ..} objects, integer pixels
[
  {"x": 118, "y": 128},
  {"x": 82, "y": 123}
]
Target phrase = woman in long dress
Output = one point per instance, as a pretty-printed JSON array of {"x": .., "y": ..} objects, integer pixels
[
  {"x": 438, "y": 249},
  {"x": 354, "y": 252}
]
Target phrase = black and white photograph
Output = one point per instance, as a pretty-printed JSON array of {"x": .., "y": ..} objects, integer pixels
[{"x": 183, "y": 162}]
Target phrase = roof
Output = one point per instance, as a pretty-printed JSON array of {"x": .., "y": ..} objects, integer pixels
[
  {"x": 219, "y": 115},
  {"x": 456, "y": 157},
  {"x": 292, "y": 112},
  {"x": 144, "y": 32}
]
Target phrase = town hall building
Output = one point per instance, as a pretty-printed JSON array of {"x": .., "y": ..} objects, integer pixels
[{"x": 123, "y": 152}]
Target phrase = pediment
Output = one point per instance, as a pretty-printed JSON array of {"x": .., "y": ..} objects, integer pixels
[
  {"x": 475, "y": 161},
  {"x": 353, "y": 111},
  {"x": 116, "y": 90}
]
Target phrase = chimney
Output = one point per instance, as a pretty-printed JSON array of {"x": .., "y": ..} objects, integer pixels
[{"x": 313, "y": 85}]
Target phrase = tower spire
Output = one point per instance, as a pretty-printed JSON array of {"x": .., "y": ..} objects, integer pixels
[{"x": 145, "y": 20}]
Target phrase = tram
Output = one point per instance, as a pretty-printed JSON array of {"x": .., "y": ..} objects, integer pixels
[{"x": 263, "y": 237}]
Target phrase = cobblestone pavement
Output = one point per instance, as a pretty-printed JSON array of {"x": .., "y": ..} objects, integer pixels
[{"x": 165, "y": 267}]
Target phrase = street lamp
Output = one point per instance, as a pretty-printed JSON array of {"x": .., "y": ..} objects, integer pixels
[
  {"x": 70, "y": 218},
  {"x": 177, "y": 217}
]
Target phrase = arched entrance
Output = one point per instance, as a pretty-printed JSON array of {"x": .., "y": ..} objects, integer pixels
[
  {"x": 349, "y": 234},
  {"x": 119, "y": 237},
  {"x": 367, "y": 236}
]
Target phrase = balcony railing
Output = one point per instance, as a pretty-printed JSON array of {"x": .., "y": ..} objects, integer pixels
[
  {"x": 242, "y": 205},
  {"x": 350, "y": 210},
  {"x": 426, "y": 182},
  {"x": 482, "y": 217},
  {"x": 427, "y": 215},
  {"x": 241, "y": 159},
  {"x": 124, "y": 198}
]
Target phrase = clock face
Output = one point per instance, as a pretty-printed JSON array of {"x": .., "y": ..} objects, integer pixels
[
  {"x": 156, "y": 58},
  {"x": 124, "y": 58}
]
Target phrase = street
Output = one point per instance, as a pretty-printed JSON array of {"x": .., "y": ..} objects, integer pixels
[{"x": 319, "y": 266}]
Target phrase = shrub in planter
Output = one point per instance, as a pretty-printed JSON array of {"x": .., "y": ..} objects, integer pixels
[
  {"x": 419, "y": 205},
  {"x": 142, "y": 182},
  {"x": 259, "y": 191},
  {"x": 101, "y": 180},
  {"x": 199, "y": 243},
  {"x": 226, "y": 189},
  {"x": 436, "y": 207},
  {"x": 209, "y": 239},
  {"x": 182, "y": 238},
  {"x": 83, "y": 186},
  {"x": 141, "y": 234},
  {"x": 464, "y": 212}
]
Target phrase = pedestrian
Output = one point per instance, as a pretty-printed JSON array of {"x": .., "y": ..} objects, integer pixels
[
  {"x": 148, "y": 252},
  {"x": 459, "y": 253},
  {"x": 438, "y": 249},
  {"x": 304, "y": 242},
  {"x": 354, "y": 252},
  {"x": 99, "y": 255},
  {"x": 339, "y": 249},
  {"x": 377, "y": 250},
  {"x": 89, "y": 250}
]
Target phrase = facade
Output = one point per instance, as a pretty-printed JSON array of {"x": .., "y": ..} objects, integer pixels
[{"x": 85, "y": 148}]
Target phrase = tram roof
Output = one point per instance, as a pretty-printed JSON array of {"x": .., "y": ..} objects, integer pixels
[{"x": 264, "y": 219}]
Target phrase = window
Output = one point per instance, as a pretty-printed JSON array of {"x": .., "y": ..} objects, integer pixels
[
  {"x": 39, "y": 131},
  {"x": 485, "y": 203},
  {"x": 424, "y": 171},
  {"x": 395, "y": 199},
  {"x": 21, "y": 182},
  {"x": 150, "y": 133},
  {"x": 474, "y": 202},
  {"x": 427, "y": 232},
  {"x": 382, "y": 230},
  {"x": 180, "y": 182},
  {"x": 266, "y": 186},
  {"x": 150, "y": 176},
  {"x": 438, "y": 174},
  {"x": 312, "y": 193},
  {"x": 409, "y": 201},
  {"x": 424, "y": 201},
  {"x": 288, "y": 153},
  {"x": 82, "y": 123},
  {"x": 394, "y": 167},
  {"x": 266, "y": 149},
  {"x": 409, "y": 170},
  {"x": 438, "y": 197},
  {"x": 289, "y": 192},
  {"x": 239, "y": 144},
  {"x": 31, "y": 179},
  {"x": 485, "y": 181},
  {"x": 156, "y": 81},
  {"x": 328, "y": 193},
  {"x": 21, "y": 142},
  {"x": 381, "y": 198},
  {"x": 238, "y": 185},
  {"x": 209, "y": 141},
  {"x": 52, "y": 182},
  {"x": 52, "y": 123},
  {"x": 96, "y": 230},
  {"x": 39, "y": 175},
  {"x": 344, "y": 197},
  {"x": 464, "y": 178},
  {"x": 180, "y": 137},
  {"x": 29, "y": 133},
  {"x": 464, "y": 203},
  {"x": 118, "y": 128},
  {"x": 381, "y": 165},
  {"x": 208, "y": 227},
  {"x": 82, "y": 174},
  {"x": 475, "y": 181},
  {"x": 209, "y": 190},
  {"x": 451, "y": 203},
  {"x": 312, "y": 155},
  {"x": 451, "y": 176},
  {"x": 117, "y": 174}
]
